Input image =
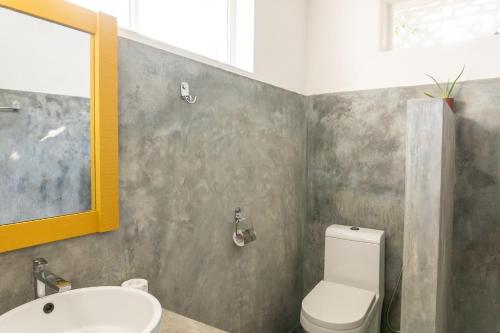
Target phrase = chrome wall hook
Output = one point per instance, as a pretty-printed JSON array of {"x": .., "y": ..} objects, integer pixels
[{"x": 185, "y": 93}]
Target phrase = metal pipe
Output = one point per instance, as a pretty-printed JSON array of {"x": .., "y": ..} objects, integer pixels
[{"x": 16, "y": 107}]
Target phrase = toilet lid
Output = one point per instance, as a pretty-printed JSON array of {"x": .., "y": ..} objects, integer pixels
[{"x": 336, "y": 306}]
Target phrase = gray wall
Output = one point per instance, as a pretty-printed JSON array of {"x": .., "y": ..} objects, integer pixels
[
  {"x": 42, "y": 177},
  {"x": 183, "y": 169},
  {"x": 356, "y": 166},
  {"x": 429, "y": 197}
]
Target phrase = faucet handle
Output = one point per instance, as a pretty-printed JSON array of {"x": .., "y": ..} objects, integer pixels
[{"x": 39, "y": 264}]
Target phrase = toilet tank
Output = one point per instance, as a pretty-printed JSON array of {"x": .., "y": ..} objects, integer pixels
[{"x": 355, "y": 257}]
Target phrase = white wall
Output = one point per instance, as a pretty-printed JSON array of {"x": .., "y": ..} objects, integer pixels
[
  {"x": 306, "y": 46},
  {"x": 344, "y": 52},
  {"x": 280, "y": 45},
  {"x": 40, "y": 56}
]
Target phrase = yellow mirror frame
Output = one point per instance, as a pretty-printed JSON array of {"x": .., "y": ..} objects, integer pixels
[{"x": 104, "y": 215}]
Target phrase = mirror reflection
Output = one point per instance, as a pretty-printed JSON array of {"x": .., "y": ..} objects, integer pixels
[{"x": 44, "y": 119}]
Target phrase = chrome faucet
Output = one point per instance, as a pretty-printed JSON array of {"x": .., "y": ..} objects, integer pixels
[{"x": 43, "y": 278}]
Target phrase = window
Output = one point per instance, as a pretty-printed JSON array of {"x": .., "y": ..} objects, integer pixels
[
  {"x": 421, "y": 23},
  {"x": 219, "y": 29},
  {"x": 118, "y": 8}
]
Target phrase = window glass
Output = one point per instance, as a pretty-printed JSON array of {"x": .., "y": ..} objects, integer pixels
[
  {"x": 421, "y": 23},
  {"x": 200, "y": 26},
  {"x": 219, "y": 29}
]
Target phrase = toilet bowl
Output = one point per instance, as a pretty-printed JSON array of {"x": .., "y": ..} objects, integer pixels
[{"x": 349, "y": 298}]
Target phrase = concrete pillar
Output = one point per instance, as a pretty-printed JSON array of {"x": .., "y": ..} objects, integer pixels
[{"x": 429, "y": 194}]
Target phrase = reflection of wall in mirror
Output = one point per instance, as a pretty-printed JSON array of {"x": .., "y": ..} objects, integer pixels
[
  {"x": 43, "y": 56},
  {"x": 45, "y": 147},
  {"x": 44, "y": 156}
]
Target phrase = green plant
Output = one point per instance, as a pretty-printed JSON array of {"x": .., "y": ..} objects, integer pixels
[{"x": 447, "y": 91}]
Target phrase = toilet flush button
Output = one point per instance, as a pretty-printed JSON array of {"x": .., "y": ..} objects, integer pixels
[{"x": 355, "y": 228}]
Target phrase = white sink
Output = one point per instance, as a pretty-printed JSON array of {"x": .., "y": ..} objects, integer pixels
[{"x": 88, "y": 310}]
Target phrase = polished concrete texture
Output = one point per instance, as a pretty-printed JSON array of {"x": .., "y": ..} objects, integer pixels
[
  {"x": 185, "y": 167},
  {"x": 43, "y": 175},
  {"x": 429, "y": 192},
  {"x": 356, "y": 170},
  {"x": 183, "y": 170}
]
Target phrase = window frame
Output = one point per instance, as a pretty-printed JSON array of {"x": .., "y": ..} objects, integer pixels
[{"x": 231, "y": 38}]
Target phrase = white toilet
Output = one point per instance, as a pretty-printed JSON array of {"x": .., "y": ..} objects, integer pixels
[{"x": 349, "y": 299}]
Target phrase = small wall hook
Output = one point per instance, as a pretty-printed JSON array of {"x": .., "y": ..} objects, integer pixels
[{"x": 185, "y": 93}]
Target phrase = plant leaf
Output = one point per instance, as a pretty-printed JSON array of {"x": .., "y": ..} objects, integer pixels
[
  {"x": 437, "y": 83},
  {"x": 455, "y": 82},
  {"x": 428, "y": 95},
  {"x": 447, "y": 86}
]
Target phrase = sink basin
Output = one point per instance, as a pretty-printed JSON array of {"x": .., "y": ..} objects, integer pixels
[{"x": 87, "y": 310}]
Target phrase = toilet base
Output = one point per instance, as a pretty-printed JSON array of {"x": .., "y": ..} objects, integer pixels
[{"x": 372, "y": 325}]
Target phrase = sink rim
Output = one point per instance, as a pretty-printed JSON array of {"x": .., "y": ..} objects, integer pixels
[{"x": 153, "y": 323}]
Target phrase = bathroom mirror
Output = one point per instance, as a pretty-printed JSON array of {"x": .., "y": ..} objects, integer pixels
[
  {"x": 58, "y": 122},
  {"x": 45, "y": 140}
]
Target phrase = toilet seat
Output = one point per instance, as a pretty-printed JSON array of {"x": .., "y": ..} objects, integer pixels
[{"x": 336, "y": 306}]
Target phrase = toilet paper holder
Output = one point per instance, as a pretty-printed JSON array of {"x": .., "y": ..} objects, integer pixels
[{"x": 244, "y": 232}]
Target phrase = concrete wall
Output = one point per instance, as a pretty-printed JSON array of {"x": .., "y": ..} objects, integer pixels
[
  {"x": 356, "y": 161},
  {"x": 429, "y": 193},
  {"x": 356, "y": 169},
  {"x": 44, "y": 175},
  {"x": 183, "y": 170}
]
